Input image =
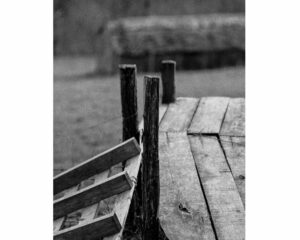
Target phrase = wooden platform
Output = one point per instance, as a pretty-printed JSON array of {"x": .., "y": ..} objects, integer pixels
[{"x": 202, "y": 169}]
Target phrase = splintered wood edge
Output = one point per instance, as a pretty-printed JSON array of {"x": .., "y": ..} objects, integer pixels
[
  {"x": 58, "y": 235},
  {"x": 61, "y": 181},
  {"x": 59, "y": 203}
]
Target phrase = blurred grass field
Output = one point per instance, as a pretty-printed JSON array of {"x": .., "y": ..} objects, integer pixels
[{"x": 87, "y": 110}]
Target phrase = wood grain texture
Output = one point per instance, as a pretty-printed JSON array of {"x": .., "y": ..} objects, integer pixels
[
  {"x": 234, "y": 121},
  {"x": 168, "y": 69},
  {"x": 179, "y": 115},
  {"x": 162, "y": 110},
  {"x": 234, "y": 148},
  {"x": 99, "y": 227},
  {"x": 209, "y": 115},
  {"x": 123, "y": 200},
  {"x": 95, "y": 165},
  {"x": 182, "y": 212},
  {"x": 92, "y": 194},
  {"x": 150, "y": 166},
  {"x": 225, "y": 204},
  {"x": 57, "y": 223},
  {"x": 129, "y": 101}
]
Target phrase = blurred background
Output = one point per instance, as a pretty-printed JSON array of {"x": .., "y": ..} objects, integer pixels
[{"x": 206, "y": 38}]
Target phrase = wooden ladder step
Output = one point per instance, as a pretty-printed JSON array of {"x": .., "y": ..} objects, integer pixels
[
  {"x": 92, "y": 194},
  {"x": 97, "y": 164},
  {"x": 99, "y": 227}
]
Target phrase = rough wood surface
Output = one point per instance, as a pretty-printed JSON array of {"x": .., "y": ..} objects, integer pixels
[
  {"x": 168, "y": 69},
  {"x": 92, "y": 194},
  {"x": 234, "y": 121},
  {"x": 182, "y": 212},
  {"x": 223, "y": 199},
  {"x": 179, "y": 115},
  {"x": 129, "y": 101},
  {"x": 209, "y": 115},
  {"x": 122, "y": 201},
  {"x": 234, "y": 148},
  {"x": 95, "y": 165},
  {"x": 57, "y": 224},
  {"x": 99, "y": 227},
  {"x": 150, "y": 166}
]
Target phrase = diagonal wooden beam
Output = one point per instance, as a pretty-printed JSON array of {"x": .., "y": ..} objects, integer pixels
[
  {"x": 97, "y": 164},
  {"x": 93, "y": 194}
]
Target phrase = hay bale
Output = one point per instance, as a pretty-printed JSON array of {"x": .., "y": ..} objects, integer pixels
[{"x": 155, "y": 34}]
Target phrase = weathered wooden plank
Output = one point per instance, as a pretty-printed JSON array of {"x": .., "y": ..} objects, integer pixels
[
  {"x": 57, "y": 224},
  {"x": 183, "y": 213},
  {"x": 179, "y": 115},
  {"x": 123, "y": 200},
  {"x": 95, "y": 165},
  {"x": 209, "y": 115},
  {"x": 225, "y": 204},
  {"x": 92, "y": 194},
  {"x": 234, "y": 148},
  {"x": 234, "y": 121},
  {"x": 99, "y": 227}
]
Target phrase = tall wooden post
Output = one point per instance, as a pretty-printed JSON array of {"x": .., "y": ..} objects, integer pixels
[
  {"x": 130, "y": 129},
  {"x": 150, "y": 165},
  {"x": 129, "y": 101},
  {"x": 168, "y": 68}
]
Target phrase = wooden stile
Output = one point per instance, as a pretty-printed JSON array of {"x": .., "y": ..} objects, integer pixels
[{"x": 99, "y": 163}]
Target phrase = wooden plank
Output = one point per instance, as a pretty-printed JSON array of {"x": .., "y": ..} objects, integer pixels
[
  {"x": 234, "y": 121},
  {"x": 87, "y": 213},
  {"x": 179, "y": 115},
  {"x": 99, "y": 227},
  {"x": 92, "y": 194},
  {"x": 57, "y": 224},
  {"x": 95, "y": 165},
  {"x": 234, "y": 148},
  {"x": 183, "y": 213},
  {"x": 225, "y": 204},
  {"x": 123, "y": 200},
  {"x": 209, "y": 115}
]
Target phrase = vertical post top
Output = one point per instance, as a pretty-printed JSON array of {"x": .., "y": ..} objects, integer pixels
[
  {"x": 151, "y": 78},
  {"x": 126, "y": 66},
  {"x": 168, "y": 62}
]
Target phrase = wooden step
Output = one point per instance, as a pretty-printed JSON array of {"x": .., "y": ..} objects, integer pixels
[
  {"x": 92, "y": 194},
  {"x": 97, "y": 164},
  {"x": 98, "y": 227}
]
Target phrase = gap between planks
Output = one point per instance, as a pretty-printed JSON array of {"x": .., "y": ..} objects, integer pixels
[{"x": 224, "y": 201}]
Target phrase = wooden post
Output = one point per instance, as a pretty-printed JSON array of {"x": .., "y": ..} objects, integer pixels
[
  {"x": 150, "y": 164},
  {"x": 129, "y": 101},
  {"x": 168, "y": 68}
]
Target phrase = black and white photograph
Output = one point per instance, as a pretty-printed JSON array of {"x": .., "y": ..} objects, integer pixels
[{"x": 149, "y": 120}]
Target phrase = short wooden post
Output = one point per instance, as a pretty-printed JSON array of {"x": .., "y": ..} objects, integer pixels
[
  {"x": 168, "y": 68},
  {"x": 129, "y": 101},
  {"x": 150, "y": 164}
]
